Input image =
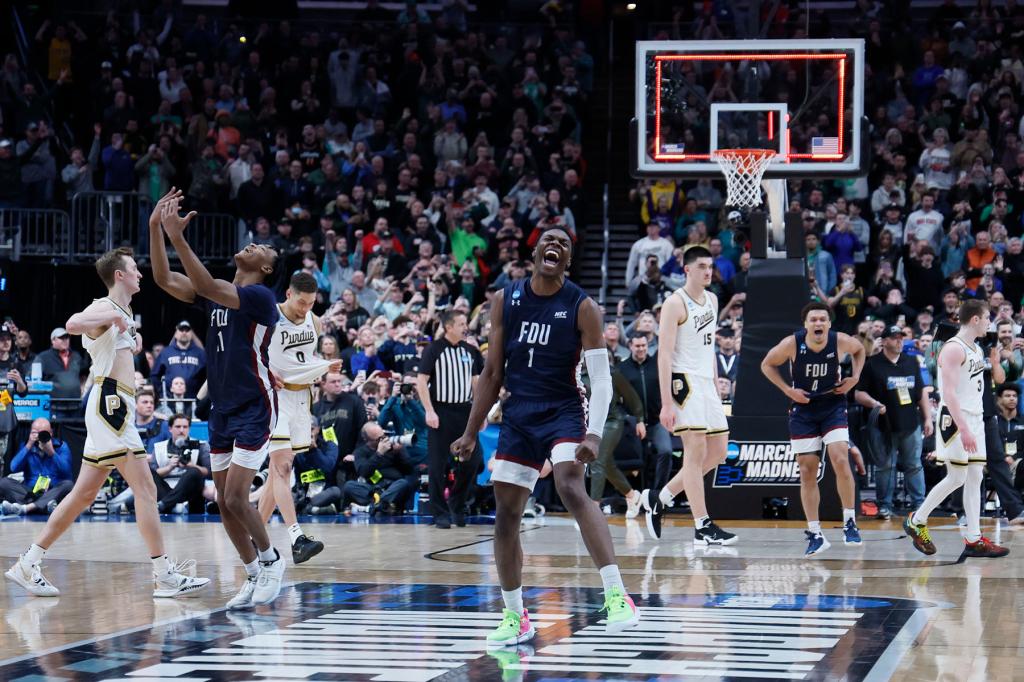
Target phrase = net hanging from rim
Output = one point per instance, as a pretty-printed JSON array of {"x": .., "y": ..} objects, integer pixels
[{"x": 743, "y": 169}]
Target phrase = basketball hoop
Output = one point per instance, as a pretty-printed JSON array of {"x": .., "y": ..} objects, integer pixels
[{"x": 743, "y": 169}]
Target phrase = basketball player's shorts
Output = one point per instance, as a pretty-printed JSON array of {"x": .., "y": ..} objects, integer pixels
[
  {"x": 294, "y": 420},
  {"x": 948, "y": 446},
  {"x": 111, "y": 436},
  {"x": 816, "y": 424},
  {"x": 533, "y": 433},
  {"x": 242, "y": 436},
  {"x": 697, "y": 405}
]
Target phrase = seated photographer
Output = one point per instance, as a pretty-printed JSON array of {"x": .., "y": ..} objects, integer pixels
[
  {"x": 180, "y": 466},
  {"x": 313, "y": 469},
  {"x": 45, "y": 462},
  {"x": 403, "y": 413},
  {"x": 384, "y": 468}
]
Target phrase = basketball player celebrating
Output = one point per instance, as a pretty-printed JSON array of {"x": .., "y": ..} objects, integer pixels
[
  {"x": 818, "y": 413},
  {"x": 108, "y": 334},
  {"x": 293, "y": 363},
  {"x": 690, "y": 405},
  {"x": 960, "y": 434},
  {"x": 539, "y": 325},
  {"x": 243, "y": 314}
]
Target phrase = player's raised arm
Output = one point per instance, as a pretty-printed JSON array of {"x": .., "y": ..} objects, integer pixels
[
  {"x": 850, "y": 345},
  {"x": 673, "y": 314},
  {"x": 783, "y": 352},
  {"x": 176, "y": 284},
  {"x": 491, "y": 379},
  {"x": 95, "y": 320},
  {"x": 203, "y": 283}
]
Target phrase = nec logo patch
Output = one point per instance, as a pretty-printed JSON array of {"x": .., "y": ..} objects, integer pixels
[{"x": 561, "y": 315}]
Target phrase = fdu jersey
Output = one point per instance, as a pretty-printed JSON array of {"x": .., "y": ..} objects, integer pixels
[
  {"x": 238, "y": 349},
  {"x": 542, "y": 343},
  {"x": 818, "y": 372}
]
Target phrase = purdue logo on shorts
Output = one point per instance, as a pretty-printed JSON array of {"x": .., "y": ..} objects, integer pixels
[
  {"x": 680, "y": 389},
  {"x": 111, "y": 408},
  {"x": 947, "y": 427}
]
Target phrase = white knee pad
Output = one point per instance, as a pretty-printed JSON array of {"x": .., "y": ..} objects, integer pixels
[{"x": 975, "y": 474}]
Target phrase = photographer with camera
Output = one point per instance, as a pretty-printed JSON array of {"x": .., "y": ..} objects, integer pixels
[
  {"x": 403, "y": 413},
  {"x": 384, "y": 471},
  {"x": 180, "y": 466},
  {"x": 45, "y": 462}
]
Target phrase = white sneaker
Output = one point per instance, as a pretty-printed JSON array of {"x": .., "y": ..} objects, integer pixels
[
  {"x": 243, "y": 600},
  {"x": 30, "y": 576},
  {"x": 181, "y": 581},
  {"x": 11, "y": 509},
  {"x": 268, "y": 584},
  {"x": 633, "y": 508}
]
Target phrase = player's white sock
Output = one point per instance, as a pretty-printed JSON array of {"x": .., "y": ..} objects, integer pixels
[
  {"x": 34, "y": 554},
  {"x": 161, "y": 566},
  {"x": 701, "y": 521},
  {"x": 972, "y": 501},
  {"x": 666, "y": 496},
  {"x": 611, "y": 577},
  {"x": 814, "y": 527},
  {"x": 294, "y": 532},
  {"x": 955, "y": 477},
  {"x": 513, "y": 599},
  {"x": 849, "y": 515},
  {"x": 252, "y": 569},
  {"x": 268, "y": 554}
]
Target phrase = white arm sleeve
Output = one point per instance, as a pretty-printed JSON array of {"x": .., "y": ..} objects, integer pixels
[{"x": 600, "y": 389}]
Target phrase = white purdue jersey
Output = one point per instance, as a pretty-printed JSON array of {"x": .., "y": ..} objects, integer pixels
[
  {"x": 103, "y": 349},
  {"x": 970, "y": 379},
  {"x": 694, "y": 353},
  {"x": 292, "y": 350}
]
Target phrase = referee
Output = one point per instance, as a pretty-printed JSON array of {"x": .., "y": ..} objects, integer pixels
[{"x": 446, "y": 381}]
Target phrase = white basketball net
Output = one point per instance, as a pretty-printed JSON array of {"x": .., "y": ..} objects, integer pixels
[{"x": 743, "y": 169}]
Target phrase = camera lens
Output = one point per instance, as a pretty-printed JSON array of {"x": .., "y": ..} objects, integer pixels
[{"x": 45, "y": 437}]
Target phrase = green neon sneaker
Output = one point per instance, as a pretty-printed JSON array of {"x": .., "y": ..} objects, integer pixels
[
  {"x": 513, "y": 629},
  {"x": 919, "y": 535},
  {"x": 622, "y": 612}
]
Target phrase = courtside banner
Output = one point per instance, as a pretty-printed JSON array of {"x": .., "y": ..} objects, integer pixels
[{"x": 760, "y": 463}]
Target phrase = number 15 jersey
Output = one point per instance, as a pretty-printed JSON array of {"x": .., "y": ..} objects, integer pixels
[{"x": 694, "y": 353}]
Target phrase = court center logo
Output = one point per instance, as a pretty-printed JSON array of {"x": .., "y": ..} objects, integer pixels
[
  {"x": 761, "y": 463},
  {"x": 362, "y": 632}
]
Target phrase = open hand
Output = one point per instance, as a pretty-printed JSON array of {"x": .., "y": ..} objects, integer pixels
[
  {"x": 586, "y": 452},
  {"x": 173, "y": 223}
]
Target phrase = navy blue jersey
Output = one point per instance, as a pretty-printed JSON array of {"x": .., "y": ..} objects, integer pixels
[
  {"x": 238, "y": 349},
  {"x": 817, "y": 373},
  {"x": 542, "y": 343}
]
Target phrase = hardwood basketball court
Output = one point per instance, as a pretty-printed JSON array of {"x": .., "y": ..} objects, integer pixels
[{"x": 405, "y": 601}]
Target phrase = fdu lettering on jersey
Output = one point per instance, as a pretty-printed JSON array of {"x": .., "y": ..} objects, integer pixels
[{"x": 760, "y": 463}]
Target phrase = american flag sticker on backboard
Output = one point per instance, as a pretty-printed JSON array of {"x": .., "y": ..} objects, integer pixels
[{"x": 824, "y": 145}]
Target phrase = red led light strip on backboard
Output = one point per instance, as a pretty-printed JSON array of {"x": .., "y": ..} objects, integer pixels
[{"x": 778, "y": 56}]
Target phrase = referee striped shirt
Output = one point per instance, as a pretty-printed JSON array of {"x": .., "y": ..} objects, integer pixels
[{"x": 451, "y": 369}]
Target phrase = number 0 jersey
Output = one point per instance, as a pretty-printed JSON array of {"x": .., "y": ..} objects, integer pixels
[
  {"x": 694, "y": 353},
  {"x": 292, "y": 348}
]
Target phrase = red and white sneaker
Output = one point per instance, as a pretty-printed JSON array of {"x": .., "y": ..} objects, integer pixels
[{"x": 985, "y": 548}]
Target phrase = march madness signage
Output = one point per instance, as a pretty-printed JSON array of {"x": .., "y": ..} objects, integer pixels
[{"x": 760, "y": 463}]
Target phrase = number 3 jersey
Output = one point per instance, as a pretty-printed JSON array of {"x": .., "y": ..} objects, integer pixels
[
  {"x": 694, "y": 353},
  {"x": 970, "y": 382}
]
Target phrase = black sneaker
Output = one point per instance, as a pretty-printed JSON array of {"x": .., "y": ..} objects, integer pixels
[
  {"x": 305, "y": 548},
  {"x": 460, "y": 520},
  {"x": 443, "y": 522},
  {"x": 655, "y": 509},
  {"x": 711, "y": 534}
]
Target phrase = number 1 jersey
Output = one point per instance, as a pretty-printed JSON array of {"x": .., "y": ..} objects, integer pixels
[{"x": 238, "y": 349}]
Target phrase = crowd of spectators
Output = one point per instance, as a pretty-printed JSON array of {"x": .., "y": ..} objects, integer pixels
[
  {"x": 936, "y": 220},
  {"x": 407, "y": 160}
]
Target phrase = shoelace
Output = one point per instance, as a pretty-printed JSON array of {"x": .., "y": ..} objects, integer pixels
[
  {"x": 922, "y": 532},
  {"x": 511, "y": 620},
  {"x": 186, "y": 568}
]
